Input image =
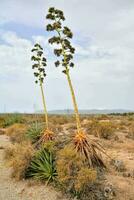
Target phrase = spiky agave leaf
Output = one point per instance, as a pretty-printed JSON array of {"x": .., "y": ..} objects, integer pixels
[
  {"x": 34, "y": 131},
  {"x": 42, "y": 166},
  {"x": 90, "y": 149}
]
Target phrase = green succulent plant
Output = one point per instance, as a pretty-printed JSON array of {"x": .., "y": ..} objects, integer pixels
[
  {"x": 34, "y": 131},
  {"x": 42, "y": 166}
]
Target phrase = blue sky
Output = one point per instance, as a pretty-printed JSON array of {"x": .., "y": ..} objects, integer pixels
[{"x": 103, "y": 76}]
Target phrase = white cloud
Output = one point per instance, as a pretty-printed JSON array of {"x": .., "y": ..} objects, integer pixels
[{"x": 104, "y": 65}]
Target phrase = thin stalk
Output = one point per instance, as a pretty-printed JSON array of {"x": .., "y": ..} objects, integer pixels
[
  {"x": 74, "y": 102},
  {"x": 44, "y": 105},
  {"x": 78, "y": 124}
]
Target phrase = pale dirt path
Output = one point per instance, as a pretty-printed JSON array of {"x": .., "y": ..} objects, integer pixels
[{"x": 21, "y": 190}]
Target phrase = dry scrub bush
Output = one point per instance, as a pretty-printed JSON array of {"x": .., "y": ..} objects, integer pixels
[
  {"x": 102, "y": 129},
  {"x": 56, "y": 128},
  {"x": 71, "y": 127},
  {"x": 11, "y": 119},
  {"x": 61, "y": 119},
  {"x": 19, "y": 157},
  {"x": 131, "y": 132},
  {"x": 1, "y": 121},
  {"x": 73, "y": 174},
  {"x": 102, "y": 117},
  {"x": 16, "y": 132},
  {"x": 85, "y": 177}
]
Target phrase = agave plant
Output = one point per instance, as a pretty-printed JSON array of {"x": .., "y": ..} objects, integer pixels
[
  {"x": 42, "y": 166},
  {"x": 65, "y": 52},
  {"x": 40, "y": 74},
  {"x": 34, "y": 131}
]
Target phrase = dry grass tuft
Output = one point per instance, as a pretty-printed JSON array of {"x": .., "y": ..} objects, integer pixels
[
  {"x": 73, "y": 174},
  {"x": 68, "y": 163},
  {"x": 16, "y": 132},
  {"x": 19, "y": 157},
  {"x": 131, "y": 132},
  {"x": 85, "y": 177},
  {"x": 102, "y": 129}
]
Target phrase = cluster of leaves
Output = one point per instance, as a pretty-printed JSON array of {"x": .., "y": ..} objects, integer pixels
[
  {"x": 39, "y": 63},
  {"x": 34, "y": 132},
  {"x": 64, "y": 34},
  {"x": 42, "y": 166}
]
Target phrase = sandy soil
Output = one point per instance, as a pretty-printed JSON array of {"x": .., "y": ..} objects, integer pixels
[
  {"x": 121, "y": 149},
  {"x": 22, "y": 190}
]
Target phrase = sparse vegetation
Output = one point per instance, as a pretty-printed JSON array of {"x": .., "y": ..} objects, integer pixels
[
  {"x": 12, "y": 119},
  {"x": 102, "y": 129},
  {"x": 16, "y": 132},
  {"x": 73, "y": 175},
  {"x": 19, "y": 157},
  {"x": 131, "y": 131},
  {"x": 66, "y": 150}
]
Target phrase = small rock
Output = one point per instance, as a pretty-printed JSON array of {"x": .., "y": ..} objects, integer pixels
[
  {"x": 119, "y": 165},
  {"x": 129, "y": 174},
  {"x": 109, "y": 191}
]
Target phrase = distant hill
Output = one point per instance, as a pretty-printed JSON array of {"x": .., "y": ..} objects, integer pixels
[{"x": 92, "y": 111}]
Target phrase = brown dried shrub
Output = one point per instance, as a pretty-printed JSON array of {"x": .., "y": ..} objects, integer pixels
[
  {"x": 73, "y": 174},
  {"x": 16, "y": 132},
  {"x": 131, "y": 132},
  {"x": 102, "y": 129},
  {"x": 85, "y": 177},
  {"x": 19, "y": 157}
]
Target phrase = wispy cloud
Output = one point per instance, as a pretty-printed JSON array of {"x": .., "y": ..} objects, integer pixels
[{"x": 104, "y": 42}]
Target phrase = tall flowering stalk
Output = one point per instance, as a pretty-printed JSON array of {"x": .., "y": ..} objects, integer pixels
[
  {"x": 65, "y": 52},
  {"x": 39, "y": 65}
]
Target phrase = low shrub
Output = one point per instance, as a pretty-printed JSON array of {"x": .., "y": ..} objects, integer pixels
[
  {"x": 106, "y": 130},
  {"x": 2, "y": 119},
  {"x": 131, "y": 132},
  {"x": 19, "y": 157},
  {"x": 12, "y": 119},
  {"x": 73, "y": 174},
  {"x": 61, "y": 119},
  {"x": 42, "y": 166},
  {"x": 16, "y": 132},
  {"x": 85, "y": 177},
  {"x": 102, "y": 129}
]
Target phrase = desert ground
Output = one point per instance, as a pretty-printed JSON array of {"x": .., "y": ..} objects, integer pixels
[{"x": 115, "y": 133}]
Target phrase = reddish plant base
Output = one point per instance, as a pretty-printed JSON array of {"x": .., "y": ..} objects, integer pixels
[
  {"x": 47, "y": 136},
  {"x": 91, "y": 150}
]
